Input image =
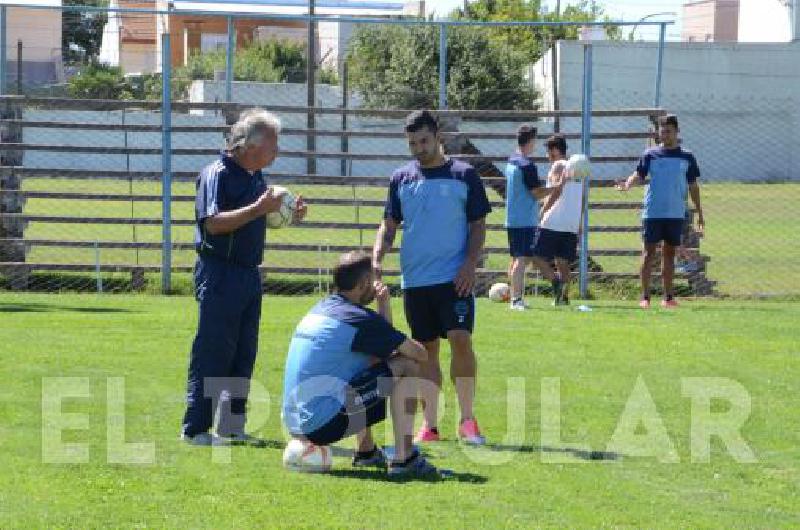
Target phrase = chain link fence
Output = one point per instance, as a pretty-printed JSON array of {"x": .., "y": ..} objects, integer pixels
[{"x": 82, "y": 180}]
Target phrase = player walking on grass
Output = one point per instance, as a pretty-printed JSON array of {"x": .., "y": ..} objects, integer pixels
[
  {"x": 672, "y": 173},
  {"x": 557, "y": 235},
  {"x": 344, "y": 362},
  {"x": 523, "y": 191},
  {"x": 442, "y": 205}
]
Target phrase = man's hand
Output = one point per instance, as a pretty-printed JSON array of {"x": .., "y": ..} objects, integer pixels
[
  {"x": 701, "y": 224},
  {"x": 465, "y": 279},
  {"x": 622, "y": 185},
  {"x": 382, "y": 294},
  {"x": 300, "y": 209},
  {"x": 269, "y": 202}
]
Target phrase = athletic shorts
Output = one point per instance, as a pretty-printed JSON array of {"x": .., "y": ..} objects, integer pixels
[
  {"x": 366, "y": 399},
  {"x": 670, "y": 231},
  {"x": 433, "y": 310},
  {"x": 551, "y": 244},
  {"x": 520, "y": 241}
]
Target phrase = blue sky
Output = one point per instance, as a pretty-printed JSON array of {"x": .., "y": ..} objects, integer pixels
[{"x": 629, "y": 10}]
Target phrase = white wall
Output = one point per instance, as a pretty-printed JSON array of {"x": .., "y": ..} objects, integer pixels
[
  {"x": 764, "y": 21},
  {"x": 738, "y": 103}
]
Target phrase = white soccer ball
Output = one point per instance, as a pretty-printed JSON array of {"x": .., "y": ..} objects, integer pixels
[
  {"x": 307, "y": 457},
  {"x": 500, "y": 292},
  {"x": 285, "y": 213},
  {"x": 579, "y": 167}
]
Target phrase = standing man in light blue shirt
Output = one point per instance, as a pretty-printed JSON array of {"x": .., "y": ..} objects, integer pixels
[
  {"x": 673, "y": 172},
  {"x": 442, "y": 205}
]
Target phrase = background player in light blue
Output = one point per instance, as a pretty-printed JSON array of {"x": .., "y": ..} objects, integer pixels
[
  {"x": 673, "y": 172},
  {"x": 442, "y": 205},
  {"x": 344, "y": 361},
  {"x": 524, "y": 190}
]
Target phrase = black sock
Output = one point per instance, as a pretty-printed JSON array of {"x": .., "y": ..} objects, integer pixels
[
  {"x": 404, "y": 463},
  {"x": 669, "y": 297},
  {"x": 367, "y": 454},
  {"x": 646, "y": 297}
]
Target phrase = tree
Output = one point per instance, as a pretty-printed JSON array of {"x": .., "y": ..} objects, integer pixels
[
  {"x": 397, "y": 66},
  {"x": 82, "y": 31}
]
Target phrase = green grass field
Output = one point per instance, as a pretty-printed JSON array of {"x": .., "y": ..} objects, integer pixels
[
  {"x": 597, "y": 357},
  {"x": 751, "y": 236}
]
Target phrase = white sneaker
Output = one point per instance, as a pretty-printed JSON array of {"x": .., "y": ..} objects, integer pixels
[
  {"x": 518, "y": 305},
  {"x": 204, "y": 438}
]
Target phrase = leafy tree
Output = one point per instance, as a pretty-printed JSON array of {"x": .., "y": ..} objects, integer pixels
[
  {"x": 397, "y": 66},
  {"x": 82, "y": 31}
]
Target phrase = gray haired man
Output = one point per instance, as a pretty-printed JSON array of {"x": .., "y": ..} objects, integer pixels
[{"x": 232, "y": 202}]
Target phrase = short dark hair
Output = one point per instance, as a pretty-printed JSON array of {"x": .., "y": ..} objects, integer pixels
[
  {"x": 350, "y": 269},
  {"x": 557, "y": 141},
  {"x": 525, "y": 134},
  {"x": 669, "y": 119},
  {"x": 419, "y": 119}
]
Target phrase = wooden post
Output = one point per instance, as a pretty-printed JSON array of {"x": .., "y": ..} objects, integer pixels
[{"x": 13, "y": 252}]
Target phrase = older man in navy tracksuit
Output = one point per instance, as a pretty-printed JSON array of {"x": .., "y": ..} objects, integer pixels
[{"x": 232, "y": 201}]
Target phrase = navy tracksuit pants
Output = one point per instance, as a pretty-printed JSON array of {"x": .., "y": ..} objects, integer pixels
[{"x": 225, "y": 346}]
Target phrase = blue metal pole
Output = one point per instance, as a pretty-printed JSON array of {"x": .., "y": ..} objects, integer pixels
[
  {"x": 660, "y": 65},
  {"x": 229, "y": 49},
  {"x": 3, "y": 50},
  {"x": 586, "y": 145},
  {"x": 442, "y": 67},
  {"x": 166, "y": 165}
]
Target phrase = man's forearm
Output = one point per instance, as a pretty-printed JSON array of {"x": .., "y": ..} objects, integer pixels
[
  {"x": 694, "y": 192},
  {"x": 477, "y": 237},
  {"x": 383, "y": 241},
  {"x": 227, "y": 222}
]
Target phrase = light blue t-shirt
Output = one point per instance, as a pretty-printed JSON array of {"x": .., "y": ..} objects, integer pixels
[
  {"x": 333, "y": 343},
  {"x": 435, "y": 206},
  {"x": 671, "y": 172},
  {"x": 522, "y": 208}
]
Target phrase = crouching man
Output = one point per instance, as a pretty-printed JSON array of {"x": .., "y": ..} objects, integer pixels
[{"x": 345, "y": 360}]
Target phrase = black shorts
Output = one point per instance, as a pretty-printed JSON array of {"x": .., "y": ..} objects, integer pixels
[
  {"x": 433, "y": 310},
  {"x": 520, "y": 241},
  {"x": 366, "y": 405},
  {"x": 551, "y": 244},
  {"x": 670, "y": 231}
]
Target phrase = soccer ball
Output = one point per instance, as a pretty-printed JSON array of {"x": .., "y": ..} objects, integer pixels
[
  {"x": 578, "y": 166},
  {"x": 307, "y": 457},
  {"x": 285, "y": 213},
  {"x": 500, "y": 292}
]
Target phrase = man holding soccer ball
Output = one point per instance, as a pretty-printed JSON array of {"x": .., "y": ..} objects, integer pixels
[
  {"x": 232, "y": 203},
  {"x": 673, "y": 172}
]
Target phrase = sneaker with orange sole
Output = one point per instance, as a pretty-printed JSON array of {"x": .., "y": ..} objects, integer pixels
[
  {"x": 469, "y": 433},
  {"x": 669, "y": 304},
  {"x": 644, "y": 303}
]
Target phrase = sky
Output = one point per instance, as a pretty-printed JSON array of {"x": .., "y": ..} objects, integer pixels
[{"x": 628, "y": 10}]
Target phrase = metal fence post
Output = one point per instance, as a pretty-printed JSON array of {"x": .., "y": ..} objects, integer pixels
[
  {"x": 586, "y": 145},
  {"x": 442, "y": 66},
  {"x": 166, "y": 165},
  {"x": 660, "y": 65},
  {"x": 229, "y": 48}
]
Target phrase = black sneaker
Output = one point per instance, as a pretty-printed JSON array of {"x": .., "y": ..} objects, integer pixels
[
  {"x": 374, "y": 458},
  {"x": 414, "y": 467}
]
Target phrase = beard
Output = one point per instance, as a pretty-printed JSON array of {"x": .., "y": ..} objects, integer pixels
[{"x": 367, "y": 297}]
